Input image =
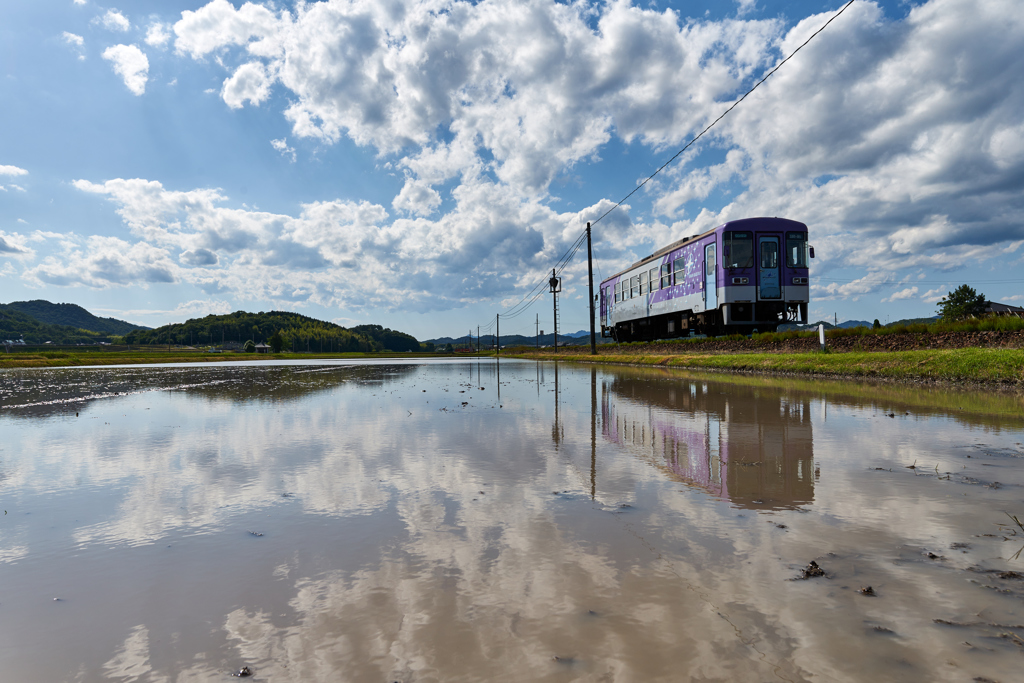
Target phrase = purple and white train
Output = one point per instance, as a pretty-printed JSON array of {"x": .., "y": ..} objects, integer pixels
[{"x": 745, "y": 275}]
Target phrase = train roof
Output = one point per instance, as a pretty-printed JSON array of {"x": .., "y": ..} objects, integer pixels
[{"x": 738, "y": 224}]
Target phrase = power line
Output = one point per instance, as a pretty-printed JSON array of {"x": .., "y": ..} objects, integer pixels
[
  {"x": 560, "y": 265},
  {"x": 734, "y": 105},
  {"x": 917, "y": 282}
]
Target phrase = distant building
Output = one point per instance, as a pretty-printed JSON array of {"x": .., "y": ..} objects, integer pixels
[
  {"x": 262, "y": 348},
  {"x": 1004, "y": 309}
]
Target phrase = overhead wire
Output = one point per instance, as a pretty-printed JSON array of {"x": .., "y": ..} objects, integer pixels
[
  {"x": 915, "y": 282},
  {"x": 723, "y": 114},
  {"x": 560, "y": 265}
]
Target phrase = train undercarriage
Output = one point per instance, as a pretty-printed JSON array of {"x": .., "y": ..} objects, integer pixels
[{"x": 762, "y": 316}]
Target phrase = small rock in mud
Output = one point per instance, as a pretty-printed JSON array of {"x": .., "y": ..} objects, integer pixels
[
  {"x": 867, "y": 590},
  {"x": 958, "y": 546},
  {"x": 811, "y": 570},
  {"x": 933, "y": 556},
  {"x": 256, "y": 533},
  {"x": 882, "y": 629},
  {"x": 1010, "y": 575},
  {"x": 244, "y": 672}
]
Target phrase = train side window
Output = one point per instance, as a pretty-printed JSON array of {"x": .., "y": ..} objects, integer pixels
[
  {"x": 643, "y": 283},
  {"x": 680, "y": 271},
  {"x": 666, "y": 275},
  {"x": 634, "y": 286},
  {"x": 618, "y": 292},
  {"x": 739, "y": 250},
  {"x": 796, "y": 249},
  {"x": 652, "y": 278}
]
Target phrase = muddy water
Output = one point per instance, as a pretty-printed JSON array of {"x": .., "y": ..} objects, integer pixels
[{"x": 461, "y": 521}]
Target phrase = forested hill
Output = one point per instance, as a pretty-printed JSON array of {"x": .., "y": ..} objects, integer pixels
[
  {"x": 300, "y": 333},
  {"x": 15, "y": 325},
  {"x": 70, "y": 315}
]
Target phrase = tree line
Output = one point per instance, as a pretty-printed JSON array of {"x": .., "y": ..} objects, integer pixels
[{"x": 282, "y": 330}]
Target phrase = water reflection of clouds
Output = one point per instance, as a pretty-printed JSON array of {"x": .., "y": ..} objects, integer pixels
[{"x": 493, "y": 585}]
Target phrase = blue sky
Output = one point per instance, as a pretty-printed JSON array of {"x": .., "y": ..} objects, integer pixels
[{"x": 422, "y": 164}]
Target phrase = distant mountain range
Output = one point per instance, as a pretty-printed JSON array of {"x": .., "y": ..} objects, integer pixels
[
  {"x": 297, "y": 333},
  {"x": 487, "y": 340},
  {"x": 847, "y": 324},
  {"x": 38, "y": 322},
  {"x": 71, "y": 315}
]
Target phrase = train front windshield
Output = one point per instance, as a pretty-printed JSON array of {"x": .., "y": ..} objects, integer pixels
[
  {"x": 739, "y": 249},
  {"x": 796, "y": 249}
]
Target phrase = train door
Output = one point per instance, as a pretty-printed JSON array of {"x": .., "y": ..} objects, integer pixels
[
  {"x": 605, "y": 301},
  {"x": 710, "y": 279},
  {"x": 769, "y": 284}
]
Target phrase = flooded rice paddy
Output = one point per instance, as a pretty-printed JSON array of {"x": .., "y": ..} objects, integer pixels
[{"x": 469, "y": 521}]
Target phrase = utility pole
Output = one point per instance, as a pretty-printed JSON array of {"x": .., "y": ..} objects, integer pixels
[
  {"x": 590, "y": 272},
  {"x": 497, "y": 334},
  {"x": 537, "y": 325},
  {"x": 554, "y": 283},
  {"x": 478, "y": 339}
]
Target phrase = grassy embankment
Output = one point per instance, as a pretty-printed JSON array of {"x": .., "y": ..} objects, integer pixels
[
  {"x": 58, "y": 359},
  {"x": 1001, "y": 366},
  {"x": 788, "y": 352}
]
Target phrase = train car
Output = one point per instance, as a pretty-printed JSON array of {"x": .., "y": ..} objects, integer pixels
[{"x": 744, "y": 276}]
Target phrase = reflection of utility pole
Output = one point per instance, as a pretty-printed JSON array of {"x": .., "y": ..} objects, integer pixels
[
  {"x": 593, "y": 429},
  {"x": 556, "y": 429}
]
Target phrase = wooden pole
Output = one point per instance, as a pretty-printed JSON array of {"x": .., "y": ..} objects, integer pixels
[{"x": 590, "y": 272}]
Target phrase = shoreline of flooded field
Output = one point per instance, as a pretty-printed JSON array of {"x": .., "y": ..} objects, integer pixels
[{"x": 504, "y": 520}]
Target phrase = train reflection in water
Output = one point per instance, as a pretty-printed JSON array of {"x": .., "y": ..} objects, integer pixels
[{"x": 751, "y": 446}]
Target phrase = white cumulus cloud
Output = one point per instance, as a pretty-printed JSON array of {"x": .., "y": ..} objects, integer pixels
[
  {"x": 417, "y": 198},
  {"x": 12, "y": 170},
  {"x": 897, "y": 140},
  {"x": 112, "y": 20},
  {"x": 250, "y": 83},
  {"x": 281, "y": 146},
  {"x": 158, "y": 34},
  {"x": 73, "y": 39},
  {"x": 131, "y": 64},
  {"x": 908, "y": 293}
]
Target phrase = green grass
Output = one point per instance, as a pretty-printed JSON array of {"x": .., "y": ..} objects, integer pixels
[{"x": 989, "y": 366}]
